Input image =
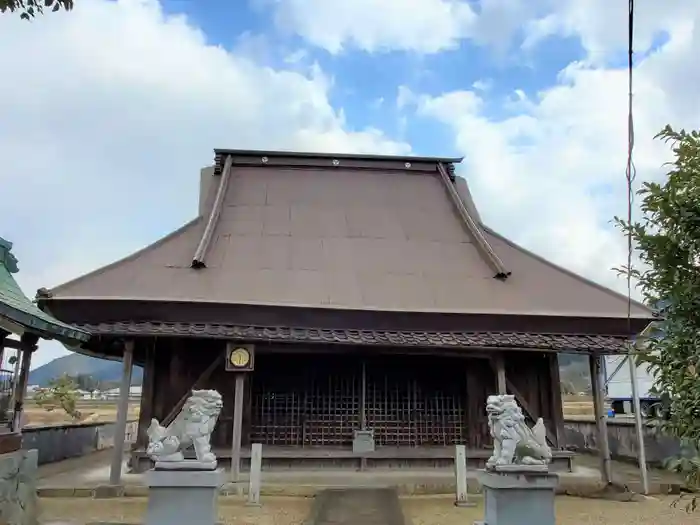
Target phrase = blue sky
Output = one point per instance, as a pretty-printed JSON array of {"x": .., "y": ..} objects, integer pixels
[
  {"x": 366, "y": 82},
  {"x": 123, "y": 102}
]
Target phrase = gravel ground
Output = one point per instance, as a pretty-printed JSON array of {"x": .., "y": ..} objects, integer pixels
[
  {"x": 570, "y": 511},
  {"x": 78, "y": 511},
  {"x": 428, "y": 510}
]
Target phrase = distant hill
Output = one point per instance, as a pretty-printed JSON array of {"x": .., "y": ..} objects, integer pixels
[{"x": 79, "y": 364}]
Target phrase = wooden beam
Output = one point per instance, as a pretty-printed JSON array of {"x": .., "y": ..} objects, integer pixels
[
  {"x": 115, "y": 471},
  {"x": 204, "y": 376},
  {"x": 12, "y": 343},
  {"x": 528, "y": 410},
  {"x": 509, "y": 386},
  {"x": 557, "y": 404},
  {"x": 598, "y": 390}
]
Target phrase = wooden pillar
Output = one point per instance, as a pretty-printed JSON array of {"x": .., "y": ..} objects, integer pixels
[
  {"x": 557, "y": 405},
  {"x": 363, "y": 408},
  {"x": 239, "y": 391},
  {"x": 247, "y": 423},
  {"x": 147, "y": 395},
  {"x": 478, "y": 389},
  {"x": 15, "y": 381},
  {"x": 598, "y": 390},
  {"x": 500, "y": 367},
  {"x": 28, "y": 344},
  {"x": 3, "y": 335},
  {"x": 115, "y": 471},
  {"x": 363, "y": 397}
]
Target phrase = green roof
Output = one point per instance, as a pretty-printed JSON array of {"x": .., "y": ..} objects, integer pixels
[{"x": 20, "y": 310}]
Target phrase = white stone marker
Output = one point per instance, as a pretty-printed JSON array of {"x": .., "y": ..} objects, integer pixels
[
  {"x": 462, "y": 498},
  {"x": 255, "y": 471}
]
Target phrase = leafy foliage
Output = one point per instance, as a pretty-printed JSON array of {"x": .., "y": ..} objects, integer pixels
[
  {"x": 668, "y": 242},
  {"x": 61, "y": 393},
  {"x": 30, "y": 8}
]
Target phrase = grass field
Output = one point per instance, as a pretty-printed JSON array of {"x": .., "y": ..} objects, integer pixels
[
  {"x": 92, "y": 411},
  {"x": 578, "y": 406},
  {"x": 102, "y": 411}
]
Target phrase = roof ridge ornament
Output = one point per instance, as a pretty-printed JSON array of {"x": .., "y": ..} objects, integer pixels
[
  {"x": 7, "y": 258},
  {"x": 482, "y": 243},
  {"x": 201, "y": 251}
]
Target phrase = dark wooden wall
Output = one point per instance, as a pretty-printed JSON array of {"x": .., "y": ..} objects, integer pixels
[
  {"x": 173, "y": 365},
  {"x": 534, "y": 378}
]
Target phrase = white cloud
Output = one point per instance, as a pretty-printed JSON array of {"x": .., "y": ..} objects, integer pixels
[
  {"x": 425, "y": 26},
  {"x": 601, "y": 25},
  {"x": 109, "y": 112},
  {"x": 114, "y": 107},
  {"x": 431, "y": 26},
  {"x": 552, "y": 175},
  {"x": 483, "y": 85}
]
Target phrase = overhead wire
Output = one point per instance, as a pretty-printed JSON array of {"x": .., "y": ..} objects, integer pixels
[{"x": 631, "y": 170}]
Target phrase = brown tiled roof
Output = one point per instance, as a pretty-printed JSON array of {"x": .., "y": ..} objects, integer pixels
[
  {"x": 375, "y": 234},
  {"x": 416, "y": 339}
]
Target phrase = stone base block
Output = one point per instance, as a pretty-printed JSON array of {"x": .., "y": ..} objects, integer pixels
[
  {"x": 18, "y": 475},
  {"x": 188, "y": 464},
  {"x": 183, "y": 497},
  {"x": 515, "y": 497}
]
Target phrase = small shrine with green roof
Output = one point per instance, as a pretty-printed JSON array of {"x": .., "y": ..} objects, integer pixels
[{"x": 22, "y": 324}]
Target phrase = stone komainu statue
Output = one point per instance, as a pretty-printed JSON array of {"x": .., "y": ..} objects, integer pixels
[
  {"x": 514, "y": 443},
  {"x": 191, "y": 427}
]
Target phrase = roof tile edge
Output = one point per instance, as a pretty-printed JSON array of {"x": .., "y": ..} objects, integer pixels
[{"x": 326, "y": 155}]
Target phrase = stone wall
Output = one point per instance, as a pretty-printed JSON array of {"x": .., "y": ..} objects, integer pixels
[
  {"x": 56, "y": 443},
  {"x": 582, "y": 436},
  {"x": 18, "y": 475}
]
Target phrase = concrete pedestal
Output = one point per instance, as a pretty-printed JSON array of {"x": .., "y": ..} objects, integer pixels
[
  {"x": 183, "y": 497},
  {"x": 518, "y": 497}
]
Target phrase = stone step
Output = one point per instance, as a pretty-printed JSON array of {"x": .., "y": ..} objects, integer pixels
[{"x": 356, "y": 507}]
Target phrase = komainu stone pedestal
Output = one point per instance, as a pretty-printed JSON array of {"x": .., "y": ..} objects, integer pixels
[
  {"x": 183, "y": 497},
  {"x": 517, "y": 495}
]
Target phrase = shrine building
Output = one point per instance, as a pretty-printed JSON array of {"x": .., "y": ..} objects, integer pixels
[{"x": 336, "y": 297}]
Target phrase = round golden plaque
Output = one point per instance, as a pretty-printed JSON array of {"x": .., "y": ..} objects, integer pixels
[{"x": 240, "y": 357}]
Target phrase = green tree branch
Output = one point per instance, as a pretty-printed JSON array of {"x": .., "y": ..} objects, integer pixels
[
  {"x": 28, "y": 9},
  {"x": 61, "y": 393},
  {"x": 668, "y": 242}
]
